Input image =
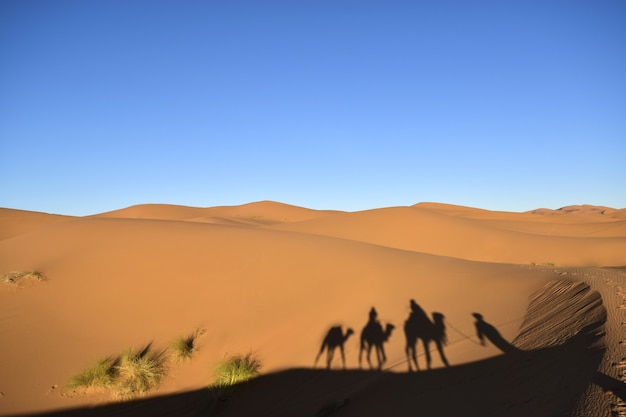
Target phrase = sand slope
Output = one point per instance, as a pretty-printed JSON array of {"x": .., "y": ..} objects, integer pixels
[
  {"x": 17, "y": 222},
  {"x": 268, "y": 278},
  {"x": 472, "y": 234}
]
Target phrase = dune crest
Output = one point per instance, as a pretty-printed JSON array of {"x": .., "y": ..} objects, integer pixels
[
  {"x": 15, "y": 222},
  {"x": 258, "y": 213},
  {"x": 479, "y": 235},
  {"x": 583, "y": 209}
]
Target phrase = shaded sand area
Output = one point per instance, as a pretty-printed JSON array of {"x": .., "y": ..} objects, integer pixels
[{"x": 272, "y": 279}]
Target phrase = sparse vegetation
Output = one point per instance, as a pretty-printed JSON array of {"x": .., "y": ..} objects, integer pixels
[
  {"x": 139, "y": 372},
  {"x": 15, "y": 277},
  {"x": 238, "y": 368},
  {"x": 183, "y": 347},
  {"x": 128, "y": 375},
  {"x": 135, "y": 372},
  {"x": 101, "y": 376},
  {"x": 544, "y": 264}
]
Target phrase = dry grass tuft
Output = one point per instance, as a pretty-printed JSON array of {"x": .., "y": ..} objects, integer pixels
[
  {"x": 183, "y": 347},
  {"x": 100, "y": 376},
  {"x": 16, "y": 277},
  {"x": 237, "y": 369},
  {"x": 139, "y": 372},
  {"x": 131, "y": 374}
]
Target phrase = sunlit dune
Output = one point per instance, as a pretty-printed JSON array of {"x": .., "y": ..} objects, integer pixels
[
  {"x": 260, "y": 213},
  {"x": 16, "y": 222},
  {"x": 272, "y": 279},
  {"x": 521, "y": 238}
]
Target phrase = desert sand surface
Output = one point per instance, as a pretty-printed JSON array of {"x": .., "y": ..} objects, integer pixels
[{"x": 272, "y": 279}]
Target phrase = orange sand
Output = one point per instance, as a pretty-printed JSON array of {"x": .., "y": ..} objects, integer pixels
[{"x": 272, "y": 279}]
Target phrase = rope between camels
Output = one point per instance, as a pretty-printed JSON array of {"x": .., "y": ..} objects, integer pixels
[
  {"x": 500, "y": 325},
  {"x": 448, "y": 324}
]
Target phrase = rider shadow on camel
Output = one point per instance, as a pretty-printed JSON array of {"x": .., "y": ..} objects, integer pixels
[
  {"x": 419, "y": 326},
  {"x": 373, "y": 337}
]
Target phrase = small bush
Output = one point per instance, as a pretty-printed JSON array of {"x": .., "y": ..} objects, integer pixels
[
  {"x": 100, "y": 376},
  {"x": 131, "y": 374},
  {"x": 183, "y": 347},
  {"x": 237, "y": 369},
  {"x": 15, "y": 277},
  {"x": 139, "y": 372}
]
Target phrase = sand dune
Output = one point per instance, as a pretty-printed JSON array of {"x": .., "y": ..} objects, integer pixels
[
  {"x": 508, "y": 237},
  {"x": 17, "y": 222},
  {"x": 260, "y": 213},
  {"x": 272, "y": 278}
]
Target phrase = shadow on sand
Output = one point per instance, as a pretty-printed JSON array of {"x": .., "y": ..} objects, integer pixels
[
  {"x": 551, "y": 381},
  {"x": 545, "y": 382}
]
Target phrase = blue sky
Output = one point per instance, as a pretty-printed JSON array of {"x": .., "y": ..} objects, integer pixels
[{"x": 348, "y": 105}]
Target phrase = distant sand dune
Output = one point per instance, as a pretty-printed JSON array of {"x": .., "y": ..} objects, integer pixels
[
  {"x": 509, "y": 238},
  {"x": 264, "y": 212}
]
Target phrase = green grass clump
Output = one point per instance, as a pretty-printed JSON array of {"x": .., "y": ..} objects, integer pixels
[
  {"x": 237, "y": 369},
  {"x": 231, "y": 371},
  {"x": 101, "y": 376},
  {"x": 183, "y": 347},
  {"x": 128, "y": 375},
  {"x": 139, "y": 372}
]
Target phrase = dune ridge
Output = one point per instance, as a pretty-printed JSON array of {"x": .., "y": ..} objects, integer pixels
[
  {"x": 509, "y": 238},
  {"x": 258, "y": 213},
  {"x": 272, "y": 279}
]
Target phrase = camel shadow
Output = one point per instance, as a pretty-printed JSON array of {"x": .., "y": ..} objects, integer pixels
[
  {"x": 418, "y": 326},
  {"x": 335, "y": 338},
  {"x": 538, "y": 383},
  {"x": 373, "y": 336}
]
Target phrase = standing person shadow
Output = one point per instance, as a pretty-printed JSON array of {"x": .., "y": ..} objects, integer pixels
[
  {"x": 439, "y": 335},
  {"x": 485, "y": 330}
]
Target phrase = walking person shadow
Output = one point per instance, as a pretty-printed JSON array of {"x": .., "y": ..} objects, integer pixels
[
  {"x": 439, "y": 336},
  {"x": 485, "y": 330}
]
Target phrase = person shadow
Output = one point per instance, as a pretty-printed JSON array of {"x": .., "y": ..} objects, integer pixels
[
  {"x": 487, "y": 331},
  {"x": 373, "y": 336},
  {"x": 418, "y": 326}
]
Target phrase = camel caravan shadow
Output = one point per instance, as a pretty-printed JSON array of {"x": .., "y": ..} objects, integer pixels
[
  {"x": 540, "y": 383},
  {"x": 552, "y": 368},
  {"x": 417, "y": 327}
]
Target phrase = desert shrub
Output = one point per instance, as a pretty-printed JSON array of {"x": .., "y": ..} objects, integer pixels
[
  {"x": 238, "y": 368},
  {"x": 128, "y": 375},
  {"x": 101, "y": 375},
  {"x": 183, "y": 347},
  {"x": 14, "y": 277},
  {"x": 139, "y": 371}
]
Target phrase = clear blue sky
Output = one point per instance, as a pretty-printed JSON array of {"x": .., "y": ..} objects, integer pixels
[{"x": 326, "y": 104}]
